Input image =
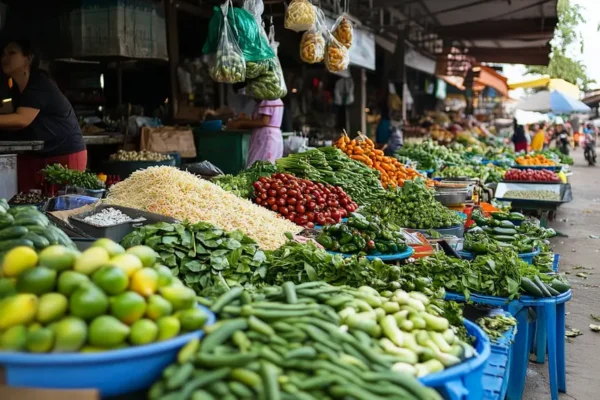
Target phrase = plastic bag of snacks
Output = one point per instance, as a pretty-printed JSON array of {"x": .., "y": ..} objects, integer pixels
[
  {"x": 342, "y": 30},
  {"x": 269, "y": 86},
  {"x": 227, "y": 65},
  {"x": 336, "y": 56},
  {"x": 299, "y": 16},
  {"x": 312, "y": 45}
]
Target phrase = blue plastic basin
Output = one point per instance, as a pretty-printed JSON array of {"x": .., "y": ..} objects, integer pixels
[
  {"x": 383, "y": 257},
  {"x": 527, "y": 257},
  {"x": 112, "y": 373},
  {"x": 465, "y": 380}
]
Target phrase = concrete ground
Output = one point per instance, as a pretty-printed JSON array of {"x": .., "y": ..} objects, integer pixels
[{"x": 578, "y": 219}]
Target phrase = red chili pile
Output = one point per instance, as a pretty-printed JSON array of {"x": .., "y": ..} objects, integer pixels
[
  {"x": 303, "y": 202},
  {"x": 531, "y": 175}
]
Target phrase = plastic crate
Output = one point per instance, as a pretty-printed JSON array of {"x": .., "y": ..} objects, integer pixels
[
  {"x": 113, "y": 372},
  {"x": 465, "y": 380},
  {"x": 495, "y": 376}
]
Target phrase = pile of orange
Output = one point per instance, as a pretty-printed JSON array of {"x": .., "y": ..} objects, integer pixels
[
  {"x": 538, "y": 159},
  {"x": 392, "y": 172}
]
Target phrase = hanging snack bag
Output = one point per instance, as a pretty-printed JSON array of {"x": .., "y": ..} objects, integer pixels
[
  {"x": 299, "y": 16},
  {"x": 269, "y": 86},
  {"x": 336, "y": 56},
  {"x": 227, "y": 65},
  {"x": 342, "y": 30},
  {"x": 312, "y": 45}
]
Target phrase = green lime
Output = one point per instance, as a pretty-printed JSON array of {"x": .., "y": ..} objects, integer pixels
[
  {"x": 107, "y": 331},
  {"x": 111, "y": 247},
  {"x": 158, "y": 307},
  {"x": 57, "y": 257},
  {"x": 34, "y": 326},
  {"x": 40, "y": 340},
  {"x": 88, "y": 302},
  {"x": 165, "y": 276},
  {"x": 112, "y": 280},
  {"x": 90, "y": 260},
  {"x": 70, "y": 334},
  {"x": 14, "y": 338},
  {"x": 180, "y": 297},
  {"x": 38, "y": 280},
  {"x": 192, "y": 319},
  {"x": 69, "y": 281},
  {"x": 143, "y": 332},
  {"x": 51, "y": 307},
  {"x": 144, "y": 281},
  {"x": 18, "y": 309},
  {"x": 168, "y": 327},
  {"x": 146, "y": 254},
  {"x": 128, "y": 307},
  {"x": 7, "y": 287}
]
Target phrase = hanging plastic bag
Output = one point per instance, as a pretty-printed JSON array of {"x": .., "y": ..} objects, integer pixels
[
  {"x": 256, "y": 8},
  {"x": 343, "y": 31},
  {"x": 336, "y": 56},
  {"x": 312, "y": 44},
  {"x": 256, "y": 69},
  {"x": 299, "y": 16},
  {"x": 227, "y": 64},
  {"x": 270, "y": 86},
  {"x": 250, "y": 39}
]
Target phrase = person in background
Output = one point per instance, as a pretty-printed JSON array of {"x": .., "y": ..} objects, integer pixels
[
  {"x": 41, "y": 112},
  {"x": 576, "y": 130},
  {"x": 266, "y": 142},
  {"x": 539, "y": 137},
  {"x": 395, "y": 141},
  {"x": 382, "y": 134},
  {"x": 519, "y": 137}
]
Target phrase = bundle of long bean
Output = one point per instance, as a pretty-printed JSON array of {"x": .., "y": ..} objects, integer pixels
[{"x": 332, "y": 166}]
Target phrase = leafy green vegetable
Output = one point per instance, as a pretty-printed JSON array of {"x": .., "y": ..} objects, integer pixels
[
  {"x": 241, "y": 184},
  {"x": 57, "y": 174},
  {"x": 209, "y": 260}
]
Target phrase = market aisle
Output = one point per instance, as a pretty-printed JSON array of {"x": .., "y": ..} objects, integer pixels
[{"x": 582, "y": 217}]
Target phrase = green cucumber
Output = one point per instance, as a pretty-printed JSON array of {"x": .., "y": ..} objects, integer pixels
[
  {"x": 542, "y": 286},
  {"x": 30, "y": 220},
  {"x": 40, "y": 242},
  {"x": 515, "y": 216},
  {"x": 6, "y": 220},
  {"x": 500, "y": 215},
  {"x": 505, "y": 231},
  {"x": 531, "y": 288},
  {"x": 13, "y": 232},
  {"x": 11, "y": 244},
  {"x": 560, "y": 286},
  {"x": 507, "y": 224},
  {"x": 504, "y": 238},
  {"x": 552, "y": 291}
]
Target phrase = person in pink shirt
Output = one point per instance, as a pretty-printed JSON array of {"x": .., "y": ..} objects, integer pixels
[{"x": 266, "y": 143}]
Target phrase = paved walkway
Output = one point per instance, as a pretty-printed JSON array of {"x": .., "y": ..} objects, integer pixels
[{"x": 578, "y": 219}]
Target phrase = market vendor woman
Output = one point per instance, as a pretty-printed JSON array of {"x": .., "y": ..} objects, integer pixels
[
  {"x": 41, "y": 112},
  {"x": 266, "y": 143}
]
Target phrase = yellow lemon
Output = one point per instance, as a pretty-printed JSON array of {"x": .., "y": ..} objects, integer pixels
[
  {"x": 17, "y": 310},
  {"x": 127, "y": 262},
  {"x": 111, "y": 247},
  {"x": 14, "y": 338},
  {"x": 144, "y": 281},
  {"x": 91, "y": 259},
  {"x": 18, "y": 260}
]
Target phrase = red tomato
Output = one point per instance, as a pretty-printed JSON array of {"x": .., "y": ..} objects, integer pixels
[
  {"x": 300, "y": 209},
  {"x": 283, "y": 211}
]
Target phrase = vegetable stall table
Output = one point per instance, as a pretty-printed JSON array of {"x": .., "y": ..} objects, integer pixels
[
  {"x": 547, "y": 207},
  {"x": 8, "y": 163}
]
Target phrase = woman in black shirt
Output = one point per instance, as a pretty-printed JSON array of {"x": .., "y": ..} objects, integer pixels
[{"x": 41, "y": 112}]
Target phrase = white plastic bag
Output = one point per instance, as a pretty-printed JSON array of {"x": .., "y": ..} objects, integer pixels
[
  {"x": 336, "y": 56},
  {"x": 343, "y": 31},
  {"x": 312, "y": 44},
  {"x": 227, "y": 65}
]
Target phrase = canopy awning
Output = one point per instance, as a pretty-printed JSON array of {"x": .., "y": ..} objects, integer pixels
[
  {"x": 546, "y": 82},
  {"x": 555, "y": 102}
]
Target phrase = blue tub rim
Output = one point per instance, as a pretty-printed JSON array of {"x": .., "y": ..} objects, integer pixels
[
  {"x": 470, "y": 256},
  {"x": 383, "y": 257},
  {"x": 484, "y": 350},
  {"x": 49, "y": 359}
]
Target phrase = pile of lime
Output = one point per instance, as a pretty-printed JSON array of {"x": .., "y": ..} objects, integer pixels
[{"x": 60, "y": 300}]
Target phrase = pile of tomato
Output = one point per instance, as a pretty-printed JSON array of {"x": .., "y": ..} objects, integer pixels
[
  {"x": 303, "y": 202},
  {"x": 531, "y": 175}
]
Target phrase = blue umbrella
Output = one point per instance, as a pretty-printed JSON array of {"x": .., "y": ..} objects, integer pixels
[{"x": 554, "y": 101}]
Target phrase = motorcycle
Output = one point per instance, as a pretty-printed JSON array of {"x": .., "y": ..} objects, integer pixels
[{"x": 589, "y": 151}]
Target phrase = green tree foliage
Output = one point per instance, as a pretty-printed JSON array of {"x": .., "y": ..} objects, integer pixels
[{"x": 566, "y": 36}]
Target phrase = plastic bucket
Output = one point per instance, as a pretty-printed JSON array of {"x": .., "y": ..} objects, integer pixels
[
  {"x": 113, "y": 373},
  {"x": 465, "y": 380}
]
